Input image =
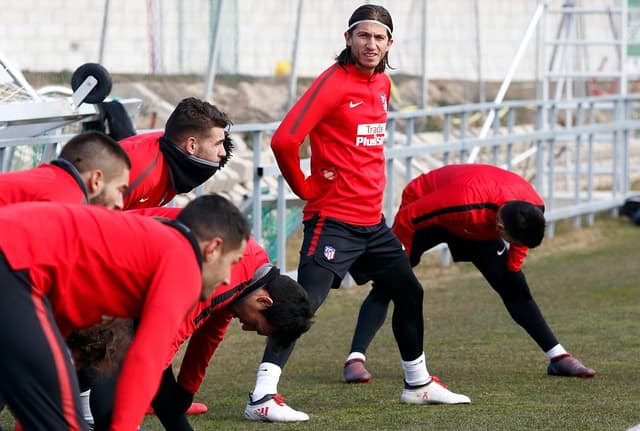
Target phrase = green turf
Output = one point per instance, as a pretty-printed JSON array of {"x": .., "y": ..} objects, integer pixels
[{"x": 586, "y": 283}]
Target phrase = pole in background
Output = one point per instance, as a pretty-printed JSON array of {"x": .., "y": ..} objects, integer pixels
[
  {"x": 181, "y": 36},
  {"x": 103, "y": 33},
  {"x": 213, "y": 51},
  {"x": 236, "y": 39},
  {"x": 423, "y": 94},
  {"x": 293, "y": 76},
  {"x": 481, "y": 95},
  {"x": 154, "y": 34}
]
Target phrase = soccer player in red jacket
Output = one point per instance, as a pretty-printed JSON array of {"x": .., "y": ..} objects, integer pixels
[
  {"x": 91, "y": 168},
  {"x": 488, "y": 216},
  {"x": 65, "y": 267},
  {"x": 189, "y": 152},
  {"x": 344, "y": 114},
  {"x": 263, "y": 300}
]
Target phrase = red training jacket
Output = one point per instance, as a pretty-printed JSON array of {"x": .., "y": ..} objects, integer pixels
[
  {"x": 208, "y": 322},
  {"x": 464, "y": 200},
  {"x": 47, "y": 182},
  {"x": 150, "y": 184},
  {"x": 94, "y": 264},
  {"x": 344, "y": 113}
]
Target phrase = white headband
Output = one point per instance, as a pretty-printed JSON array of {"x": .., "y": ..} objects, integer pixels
[{"x": 374, "y": 21}]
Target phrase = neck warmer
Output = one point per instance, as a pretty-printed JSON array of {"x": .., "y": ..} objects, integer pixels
[{"x": 186, "y": 171}]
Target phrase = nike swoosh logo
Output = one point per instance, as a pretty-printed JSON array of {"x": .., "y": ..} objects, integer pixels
[
  {"x": 143, "y": 200},
  {"x": 500, "y": 252},
  {"x": 353, "y": 105}
]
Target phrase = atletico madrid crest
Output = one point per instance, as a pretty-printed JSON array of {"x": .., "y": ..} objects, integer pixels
[{"x": 329, "y": 252}]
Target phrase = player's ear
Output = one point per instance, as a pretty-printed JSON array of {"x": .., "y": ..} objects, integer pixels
[
  {"x": 265, "y": 301},
  {"x": 191, "y": 145},
  {"x": 212, "y": 249},
  {"x": 95, "y": 181}
]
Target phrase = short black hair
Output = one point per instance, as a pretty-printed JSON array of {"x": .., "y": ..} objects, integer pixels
[
  {"x": 524, "y": 222},
  {"x": 210, "y": 216},
  {"x": 94, "y": 150},
  {"x": 290, "y": 312}
]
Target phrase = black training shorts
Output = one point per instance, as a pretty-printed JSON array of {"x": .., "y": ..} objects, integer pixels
[{"x": 363, "y": 251}]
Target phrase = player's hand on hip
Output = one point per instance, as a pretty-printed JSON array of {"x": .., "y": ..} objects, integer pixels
[{"x": 318, "y": 183}]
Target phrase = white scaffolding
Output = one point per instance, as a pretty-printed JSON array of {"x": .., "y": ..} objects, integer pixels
[{"x": 565, "y": 60}]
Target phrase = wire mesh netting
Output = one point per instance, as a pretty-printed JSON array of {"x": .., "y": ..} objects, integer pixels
[{"x": 13, "y": 86}]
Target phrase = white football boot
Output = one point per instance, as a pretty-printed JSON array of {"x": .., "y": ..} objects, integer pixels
[
  {"x": 433, "y": 392},
  {"x": 272, "y": 408}
]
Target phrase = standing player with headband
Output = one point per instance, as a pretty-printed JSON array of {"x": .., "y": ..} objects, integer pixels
[{"x": 344, "y": 113}]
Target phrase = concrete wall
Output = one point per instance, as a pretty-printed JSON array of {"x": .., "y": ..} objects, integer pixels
[{"x": 172, "y": 36}]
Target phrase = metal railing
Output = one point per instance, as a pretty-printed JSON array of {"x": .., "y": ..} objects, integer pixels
[{"x": 581, "y": 155}]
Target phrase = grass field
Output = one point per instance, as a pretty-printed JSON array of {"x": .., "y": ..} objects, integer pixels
[{"x": 587, "y": 285}]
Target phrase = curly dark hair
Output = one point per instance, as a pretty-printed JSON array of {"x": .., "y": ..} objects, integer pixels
[
  {"x": 290, "y": 313},
  {"x": 101, "y": 347}
]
